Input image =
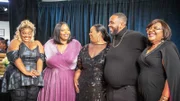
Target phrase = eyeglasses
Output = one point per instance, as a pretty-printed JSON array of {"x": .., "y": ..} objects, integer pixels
[{"x": 154, "y": 28}]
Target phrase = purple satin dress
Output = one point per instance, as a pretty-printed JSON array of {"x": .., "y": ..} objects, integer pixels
[{"x": 59, "y": 73}]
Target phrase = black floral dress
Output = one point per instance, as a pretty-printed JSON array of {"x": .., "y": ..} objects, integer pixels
[{"x": 91, "y": 82}]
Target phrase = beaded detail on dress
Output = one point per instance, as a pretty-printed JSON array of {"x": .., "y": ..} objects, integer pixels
[{"x": 91, "y": 82}]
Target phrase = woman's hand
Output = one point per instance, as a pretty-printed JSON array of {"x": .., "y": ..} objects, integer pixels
[
  {"x": 166, "y": 92},
  {"x": 76, "y": 78},
  {"x": 164, "y": 98},
  {"x": 36, "y": 73},
  {"x": 30, "y": 73},
  {"x": 33, "y": 73},
  {"x": 76, "y": 83}
]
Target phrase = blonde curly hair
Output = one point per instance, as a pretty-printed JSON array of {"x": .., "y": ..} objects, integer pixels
[{"x": 25, "y": 24}]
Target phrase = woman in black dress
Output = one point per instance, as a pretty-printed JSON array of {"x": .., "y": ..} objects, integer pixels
[
  {"x": 89, "y": 81},
  {"x": 159, "y": 77}
]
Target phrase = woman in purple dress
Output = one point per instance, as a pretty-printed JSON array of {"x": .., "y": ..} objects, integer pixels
[{"x": 61, "y": 58}]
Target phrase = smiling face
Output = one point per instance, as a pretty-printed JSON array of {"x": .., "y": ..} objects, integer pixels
[
  {"x": 155, "y": 33},
  {"x": 114, "y": 24},
  {"x": 64, "y": 32},
  {"x": 26, "y": 34},
  {"x": 94, "y": 35}
]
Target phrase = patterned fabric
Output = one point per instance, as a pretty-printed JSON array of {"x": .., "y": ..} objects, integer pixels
[
  {"x": 91, "y": 81},
  {"x": 42, "y": 56},
  {"x": 13, "y": 55},
  {"x": 13, "y": 78},
  {"x": 59, "y": 73},
  {"x": 27, "y": 93}
]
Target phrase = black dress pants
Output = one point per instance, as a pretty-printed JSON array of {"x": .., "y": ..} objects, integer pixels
[{"x": 126, "y": 93}]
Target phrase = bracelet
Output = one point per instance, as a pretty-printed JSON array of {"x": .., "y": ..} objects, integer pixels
[
  {"x": 164, "y": 98},
  {"x": 38, "y": 71}
]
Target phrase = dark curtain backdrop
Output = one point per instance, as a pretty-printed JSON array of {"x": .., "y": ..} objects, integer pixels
[
  {"x": 82, "y": 14},
  {"x": 20, "y": 10}
]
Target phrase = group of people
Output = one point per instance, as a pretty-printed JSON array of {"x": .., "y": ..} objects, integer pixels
[{"x": 130, "y": 68}]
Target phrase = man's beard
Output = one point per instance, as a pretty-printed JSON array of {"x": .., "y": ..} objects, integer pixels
[{"x": 115, "y": 32}]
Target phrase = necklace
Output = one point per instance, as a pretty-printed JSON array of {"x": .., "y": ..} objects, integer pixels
[
  {"x": 99, "y": 43},
  {"x": 119, "y": 41},
  {"x": 155, "y": 47}
]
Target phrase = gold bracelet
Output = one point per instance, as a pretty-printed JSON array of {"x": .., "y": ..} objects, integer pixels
[
  {"x": 38, "y": 71},
  {"x": 164, "y": 98}
]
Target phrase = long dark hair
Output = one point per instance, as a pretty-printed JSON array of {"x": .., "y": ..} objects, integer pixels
[
  {"x": 56, "y": 33},
  {"x": 102, "y": 29}
]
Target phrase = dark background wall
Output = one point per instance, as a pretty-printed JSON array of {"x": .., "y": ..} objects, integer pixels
[
  {"x": 3, "y": 12},
  {"x": 82, "y": 14}
]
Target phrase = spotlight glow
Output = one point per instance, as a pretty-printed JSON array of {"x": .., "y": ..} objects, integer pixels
[{"x": 4, "y": 1}]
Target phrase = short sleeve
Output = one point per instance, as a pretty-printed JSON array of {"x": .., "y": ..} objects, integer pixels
[
  {"x": 79, "y": 61},
  {"x": 13, "y": 55},
  {"x": 42, "y": 57}
]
